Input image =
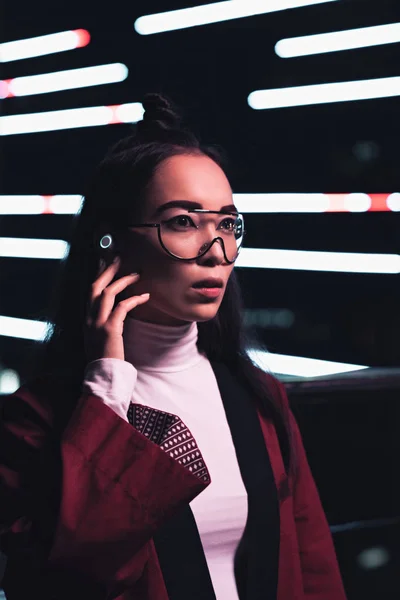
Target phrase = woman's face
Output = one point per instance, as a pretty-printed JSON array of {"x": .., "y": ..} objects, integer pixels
[{"x": 173, "y": 300}]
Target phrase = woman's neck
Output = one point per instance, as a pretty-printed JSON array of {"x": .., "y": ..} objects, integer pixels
[{"x": 158, "y": 347}]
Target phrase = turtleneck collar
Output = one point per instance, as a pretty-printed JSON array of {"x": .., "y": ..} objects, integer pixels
[{"x": 163, "y": 348}]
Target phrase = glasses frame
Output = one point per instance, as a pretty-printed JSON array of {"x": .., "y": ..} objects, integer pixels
[{"x": 194, "y": 210}]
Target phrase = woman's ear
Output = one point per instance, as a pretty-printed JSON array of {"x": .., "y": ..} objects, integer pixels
[{"x": 105, "y": 260}]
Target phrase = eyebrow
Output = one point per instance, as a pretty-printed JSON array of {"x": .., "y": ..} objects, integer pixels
[{"x": 189, "y": 204}]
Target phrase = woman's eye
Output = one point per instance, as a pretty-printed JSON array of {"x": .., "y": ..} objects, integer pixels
[
  {"x": 181, "y": 220},
  {"x": 229, "y": 224}
]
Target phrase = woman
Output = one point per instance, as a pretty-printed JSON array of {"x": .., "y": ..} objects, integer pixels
[{"x": 151, "y": 459}]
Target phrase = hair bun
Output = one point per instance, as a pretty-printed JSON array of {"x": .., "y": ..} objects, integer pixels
[
  {"x": 159, "y": 116},
  {"x": 161, "y": 123}
]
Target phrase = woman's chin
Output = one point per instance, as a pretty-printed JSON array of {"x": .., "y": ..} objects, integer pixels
[{"x": 204, "y": 312}]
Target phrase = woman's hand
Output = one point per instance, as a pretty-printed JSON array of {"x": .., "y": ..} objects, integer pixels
[{"x": 104, "y": 322}]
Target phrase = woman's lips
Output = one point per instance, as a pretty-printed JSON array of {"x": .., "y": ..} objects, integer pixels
[{"x": 209, "y": 292}]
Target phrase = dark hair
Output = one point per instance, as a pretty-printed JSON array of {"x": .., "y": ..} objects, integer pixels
[{"x": 123, "y": 175}]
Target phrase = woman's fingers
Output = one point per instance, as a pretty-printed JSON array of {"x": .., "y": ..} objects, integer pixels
[
  {"x": 105, "y": 321},
  {"x": 107, "y": 297},
  {"x": 105, "y": 278},
  {"x": 118, "y": 315}
]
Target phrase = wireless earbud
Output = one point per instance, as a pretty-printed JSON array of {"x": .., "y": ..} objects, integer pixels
[{"x": 106, "y": 241}]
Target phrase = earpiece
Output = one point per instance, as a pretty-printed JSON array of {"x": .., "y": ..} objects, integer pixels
[{"x": 106, "y": 241}]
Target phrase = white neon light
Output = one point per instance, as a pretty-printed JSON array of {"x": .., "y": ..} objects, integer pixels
[
  {"x": 303, "y": 260},
  {"x": 258, "y": 258},
  {"x": 357, "y": 203},
  {"x": 9, "y": 381},
  {"x": 281, "y": 203},
  {"x": 343, "y": 91},
  {"x": 215, "y": 13},
  {"x": 22, "y": 205},
  {"x": 299, "y": 366},
  {"x": 70, "y": 119},
  {"x": 314, "y": 203},
  {"x": 33, "y": 248},
  {"x": 277, "y": 363},
  {"x": 393, "y": 202},
  {"x": 338, "y": 40},
  {"x": 65, "y": 80},
  {"x": 70, "y": 204},
  {"x": 26, "y": 329},
  {"x": 65, "y": 205},
  {"x": 128, "y": 113},
  {"x": 44, "y": 44}
]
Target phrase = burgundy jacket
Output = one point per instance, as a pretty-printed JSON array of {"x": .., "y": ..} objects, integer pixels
[{"x": 81, "y": 502}]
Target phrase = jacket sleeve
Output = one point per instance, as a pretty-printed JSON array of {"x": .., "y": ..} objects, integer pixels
[
  {"x": 320, "y": 570},
  {"x": 84, "y": 506}
]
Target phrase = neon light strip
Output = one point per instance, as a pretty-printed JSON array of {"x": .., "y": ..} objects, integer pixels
[
  {"x": 344, "y": 91},
  {"x": 305, "y": 260},
  {"x": 299, "y": 366},
  {"x": 257, "y": 258},
  {"x": 33, "y": 248},
  {"x": 278, "y": 363},
  {"x": 40, "y": 205},
  {"x": 63, "y": 80},
  {"x": 316, "y": 203},
  {"x": 215, "y": 13},
  {"x": 245, "y": 203},
  {"x": 25, "y": 329},
  {"x": 70, "y": 119},
  {"x": 44, "y": 44},
  {"x": 338, "y": 40}
]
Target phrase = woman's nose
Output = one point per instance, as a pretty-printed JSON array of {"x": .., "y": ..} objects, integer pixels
[{"x": 214, "y": 252}]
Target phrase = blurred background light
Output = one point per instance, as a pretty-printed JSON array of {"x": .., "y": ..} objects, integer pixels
[
  {"x": 215, "y": 13},
  {"x": 307, "y": 260},
  {"x": 324, "y": 93},
  {"x": 277, "y": 363},
  {"x": 295, "y": 203},
  {"x": 334, "y": 41},
  {"x": 393, "y": 202},
  {"x": 64, "y": 80},
  {"x": 73, "y": 118},
  {"x": 26, "y": 329},
  {"x": 254, "y": 258},
  {"x": 9, "y": 381},
  {"x": 22, "y": 205},
  {"x": 66, "y": 204},
  {"x": 311, "y": 203},
  {"x": 44, "y": 44},
  {"x": 33, "y": 248},
  {"x": 373, "y": 558},
  {"x": 298, "y": 365}
]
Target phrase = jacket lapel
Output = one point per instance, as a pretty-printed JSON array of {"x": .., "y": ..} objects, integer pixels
[
  {"x": 257, "y": 557},
  {"x": 182, "y": 560}
]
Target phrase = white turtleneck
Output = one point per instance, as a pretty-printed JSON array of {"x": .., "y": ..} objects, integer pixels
[{"x": 164, "y": 369}]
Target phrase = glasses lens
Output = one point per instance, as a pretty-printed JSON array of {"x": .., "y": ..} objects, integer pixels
[{"x": 188, "y": 235}]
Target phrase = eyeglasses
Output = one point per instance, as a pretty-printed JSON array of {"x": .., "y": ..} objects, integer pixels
[{"x": 186, "y": 237}]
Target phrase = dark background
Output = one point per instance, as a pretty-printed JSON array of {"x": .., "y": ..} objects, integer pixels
[{"x": 209, "y": 71}]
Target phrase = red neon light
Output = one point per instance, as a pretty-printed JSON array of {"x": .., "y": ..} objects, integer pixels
[
  {"x": 114, "y": 119},
  {"x": 83, "y": 37},
  {"x": 379, "y": 202},
  {"x": 47, "y": 210}
]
